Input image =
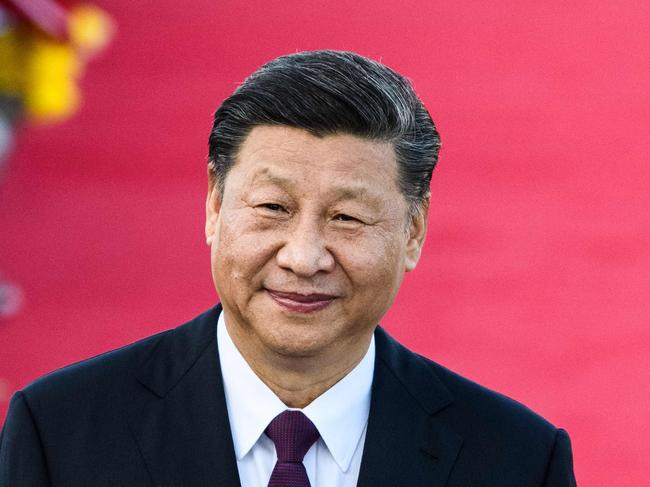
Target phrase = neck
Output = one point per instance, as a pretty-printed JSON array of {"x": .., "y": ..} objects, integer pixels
[
  {"x": 298, "y": 390},
  {"x": 298, "y": 380}
]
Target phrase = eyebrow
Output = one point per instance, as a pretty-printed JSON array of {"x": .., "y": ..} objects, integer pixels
[
  {"x": 266, "y": 176},
  {"x": 348, "y": 192}
]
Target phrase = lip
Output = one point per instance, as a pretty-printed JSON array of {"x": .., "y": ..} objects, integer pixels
[{"x": 301, "y": 303}]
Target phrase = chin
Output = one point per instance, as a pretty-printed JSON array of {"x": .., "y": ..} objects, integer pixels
[
  {"x": 294, "y": 349},
  {"x": 291, "y": 340}
]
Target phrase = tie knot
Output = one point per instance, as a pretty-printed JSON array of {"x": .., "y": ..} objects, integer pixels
[{"x": 293, "y": 434}]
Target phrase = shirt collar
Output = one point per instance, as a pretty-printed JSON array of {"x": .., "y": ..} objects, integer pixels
[{"x": 340, "y": 413}]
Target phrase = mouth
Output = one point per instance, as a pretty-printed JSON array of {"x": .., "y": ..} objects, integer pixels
[{"x": 301, "y": 303}]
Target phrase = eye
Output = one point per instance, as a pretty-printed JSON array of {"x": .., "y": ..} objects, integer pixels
[
  {"x": 272, "y": 207},
  {"x": 341, "y": 217}
]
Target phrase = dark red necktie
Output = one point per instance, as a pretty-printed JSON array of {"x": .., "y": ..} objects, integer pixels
[{"x": 293, "y": 434}]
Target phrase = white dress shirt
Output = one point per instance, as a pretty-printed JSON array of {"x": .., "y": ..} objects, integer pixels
[{"x": 340, "y": 414}]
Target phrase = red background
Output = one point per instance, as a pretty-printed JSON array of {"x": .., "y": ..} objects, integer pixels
[{"x": 536, "y": 275}]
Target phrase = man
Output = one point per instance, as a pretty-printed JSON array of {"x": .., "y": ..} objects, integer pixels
[{"x": 317, "y": 202}]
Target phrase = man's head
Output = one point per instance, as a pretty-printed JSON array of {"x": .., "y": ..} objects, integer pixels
[
  {"x": 330, "y": 92},
  {"x": 318, "y": 164}
]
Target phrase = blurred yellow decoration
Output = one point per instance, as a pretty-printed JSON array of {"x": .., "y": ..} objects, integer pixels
[
  {"x": 51, "y": 92},
  {"x": 90, "y": 28},
  {"x": 44, "y": 71},
  {"x": 12, "y": 74}
]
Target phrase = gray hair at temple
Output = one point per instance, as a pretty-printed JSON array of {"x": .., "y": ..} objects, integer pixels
[{"x": 329, "y": 92}]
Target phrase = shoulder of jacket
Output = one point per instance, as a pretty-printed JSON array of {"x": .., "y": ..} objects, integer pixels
[
  {"x": 92, "y": 372},
  {"x": 490, "y": 405},
  {"x": 109, "y": 371}
]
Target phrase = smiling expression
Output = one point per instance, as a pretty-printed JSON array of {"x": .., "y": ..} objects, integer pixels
[{"x": 309, "y": 242}]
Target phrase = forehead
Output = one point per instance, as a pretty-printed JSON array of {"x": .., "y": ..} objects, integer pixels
[{"x": 287, "y": 155}]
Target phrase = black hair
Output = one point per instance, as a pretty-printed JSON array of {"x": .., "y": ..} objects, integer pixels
[{"x": 328, "y": 92}]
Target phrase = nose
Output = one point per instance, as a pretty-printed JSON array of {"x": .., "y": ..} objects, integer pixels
[{"x": 304, "y": 251}]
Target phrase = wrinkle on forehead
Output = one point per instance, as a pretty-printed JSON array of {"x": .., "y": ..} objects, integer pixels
[
  {"x": 297, "y": 146},
  {"x": 333, "y": 168},
  {"x": 344, "y": 190}
]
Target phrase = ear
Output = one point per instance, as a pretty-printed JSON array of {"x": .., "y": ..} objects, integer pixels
[
  {"x": 212, "y": 209},
  {"x": 415, "y": 237}
]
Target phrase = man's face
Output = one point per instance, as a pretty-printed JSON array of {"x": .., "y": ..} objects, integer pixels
[{"x": 309, "y": 242}]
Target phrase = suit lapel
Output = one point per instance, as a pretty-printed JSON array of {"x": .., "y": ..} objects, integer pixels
[
  {"x": 406, "y": 444},
  {"x": 180, "y": 422}
]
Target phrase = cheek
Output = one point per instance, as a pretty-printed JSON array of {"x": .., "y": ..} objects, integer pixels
[
  {"x": 240, "y": 250},
  {"x": 375, "y": 265}
]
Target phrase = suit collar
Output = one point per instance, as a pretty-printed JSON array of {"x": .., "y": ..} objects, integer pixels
[
  {"x": 406, "y": 442},
  {"x": 179, "y": 349},
  {"x": 413, "y": 372},
  {"x": 179, "y": 420},
  {"x": 176, "y": 352}
]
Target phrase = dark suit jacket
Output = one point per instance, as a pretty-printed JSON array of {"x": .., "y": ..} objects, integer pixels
[{"x": 154, "y": 414}]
